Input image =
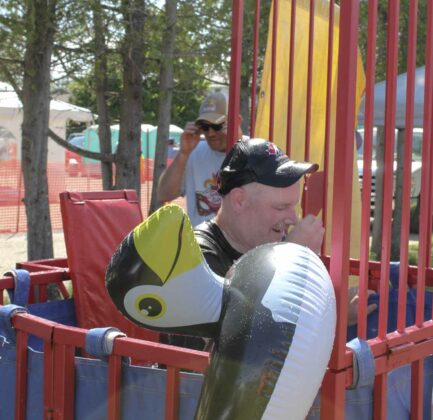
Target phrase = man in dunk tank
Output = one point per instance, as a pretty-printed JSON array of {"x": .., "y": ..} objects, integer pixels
[{"x": 250, "y": 280}]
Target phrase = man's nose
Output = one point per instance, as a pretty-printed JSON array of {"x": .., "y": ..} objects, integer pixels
[{"x": 292, "y": 218}]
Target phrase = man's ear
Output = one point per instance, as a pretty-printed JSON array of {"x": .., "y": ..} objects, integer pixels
[
  {"x": 240, "y": 133},
  {"x": 237, "y": 199}
]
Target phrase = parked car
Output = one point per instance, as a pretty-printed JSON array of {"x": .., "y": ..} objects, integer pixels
[
  {"x": 416, "y": 160},
  {"x": 73, "y": 161}
]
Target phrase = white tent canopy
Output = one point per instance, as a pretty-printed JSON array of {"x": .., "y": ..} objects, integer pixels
[
  {"x": 400, "y": 119},
  {"x": 11, "y": 117}
]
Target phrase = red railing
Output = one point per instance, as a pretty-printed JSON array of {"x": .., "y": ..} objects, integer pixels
[{"x": 62, "y": 343}]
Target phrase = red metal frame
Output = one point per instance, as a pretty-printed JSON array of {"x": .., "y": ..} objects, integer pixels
[
  {"x": 328, "y": 116},
  {"x": 235, "y": 72},
  {"x": 61, "y": 343},
  {"x": 273, "y": 67},
  {"x": 254, "y": 68},
  {"x": 366, "y": 180},
  {"x": 290, "y": 77}
]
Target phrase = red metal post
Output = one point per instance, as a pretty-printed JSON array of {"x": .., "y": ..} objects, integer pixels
[
  {"x": 308, "y": 94},
  {"x": 114, "y": 387},
  {"x": 328, "y": 116},
  {"x": 172, "y": 394},
  {"x": 235, "y": 72},
  {"x": 48, "y": 380},
  {"x": 64, "y": 382},
  {"x": 290, "y": 77},
  {"x": 428, "y": 186},
  {"x": 332, "y": 402},
  {"x": 388, "y": 177},
  {"x": 416, "y": 400},
  {"x": 254, "y": 76},
  {"x": 273, "y": 68},
  {"x": 343, "y": 169},
  {"x": 309, "y": 81},
  {"x": 379, "y": 406},
  {"x": 425, "y": 169},
  {"x": 405, "y": 216},
  {"x": 21, "y": 376},
  {"x": 366, "y": 177}
]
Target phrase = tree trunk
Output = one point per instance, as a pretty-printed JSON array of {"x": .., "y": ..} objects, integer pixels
[
  {"x": 376, "y": 243},
  {"x": 131, "y": 109},
  {"x": 40, "y": 26},
  {"x": 165, "y": 98},
  {"x": 101, "y": 85}
]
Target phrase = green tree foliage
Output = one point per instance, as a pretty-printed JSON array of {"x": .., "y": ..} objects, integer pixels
[
  {"x": 382, "y": 30},
  {"x": 202, "y": 53}
]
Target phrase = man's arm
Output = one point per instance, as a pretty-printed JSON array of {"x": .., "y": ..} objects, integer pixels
[{"x": 170, "y": 182}]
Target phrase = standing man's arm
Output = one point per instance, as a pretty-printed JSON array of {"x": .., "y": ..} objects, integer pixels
[{"x": 170, "y": 182}]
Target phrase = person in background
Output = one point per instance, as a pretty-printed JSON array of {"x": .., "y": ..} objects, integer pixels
[
  {"x": 172, "y": 150},
  {"x": 193, "y": 172}
]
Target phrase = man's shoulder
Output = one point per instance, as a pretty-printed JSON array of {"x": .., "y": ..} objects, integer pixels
[
  {"x": 206, "y": 228},
  {"x": 207, "y": 234}
]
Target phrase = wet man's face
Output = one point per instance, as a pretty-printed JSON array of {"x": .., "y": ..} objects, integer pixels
[{"x": 270, "y": 212}]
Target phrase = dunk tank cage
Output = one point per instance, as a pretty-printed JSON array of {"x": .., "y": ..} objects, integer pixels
[
  {"x": 311, "y": 86},
  {"x": 312, "y": 78}
]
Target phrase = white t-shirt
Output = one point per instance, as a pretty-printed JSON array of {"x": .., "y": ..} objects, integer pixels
[{"x": 200, "y": 183}]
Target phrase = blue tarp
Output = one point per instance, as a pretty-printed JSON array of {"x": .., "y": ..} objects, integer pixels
[{"x": 142, "y": 395}]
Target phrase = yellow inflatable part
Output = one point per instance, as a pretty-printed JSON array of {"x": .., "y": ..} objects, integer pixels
[{"x": 157, "y": 246}]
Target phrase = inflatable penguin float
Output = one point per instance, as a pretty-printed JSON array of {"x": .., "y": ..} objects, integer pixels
[{"x": 272, "y": 318}]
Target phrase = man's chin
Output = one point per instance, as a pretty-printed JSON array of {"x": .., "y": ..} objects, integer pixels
[
  {"x": 276, "y": 237},
  {"x": 216, "y": 146}
]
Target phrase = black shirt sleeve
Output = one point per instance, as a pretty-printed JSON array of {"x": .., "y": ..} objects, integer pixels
[{"x": 219, "y": 254}]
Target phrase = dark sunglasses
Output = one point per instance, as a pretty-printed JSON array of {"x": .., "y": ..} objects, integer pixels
[{"x": 206, "y": 127}]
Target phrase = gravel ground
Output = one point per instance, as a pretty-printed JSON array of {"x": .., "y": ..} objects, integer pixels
[{"x": 13, "y": 248}]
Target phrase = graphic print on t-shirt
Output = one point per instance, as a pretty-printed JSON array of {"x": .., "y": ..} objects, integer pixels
[{"x": 208, "y": 200}]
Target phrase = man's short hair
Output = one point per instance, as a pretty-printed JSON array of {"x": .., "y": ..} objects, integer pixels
[
  {"x": 258, "y": 160},
  {"x": 213, "y": 109}
]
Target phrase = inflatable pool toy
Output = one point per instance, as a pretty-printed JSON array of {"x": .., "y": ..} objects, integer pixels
[
  {"x": 272, "y": 317},
  {"x": 159, "y": 279}
]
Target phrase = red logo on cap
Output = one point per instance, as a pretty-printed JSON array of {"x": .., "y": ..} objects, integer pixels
[{"x": 271, "y": 149}]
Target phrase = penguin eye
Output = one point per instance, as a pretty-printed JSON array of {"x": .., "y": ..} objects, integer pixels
[{"x": 150, "y": 306}]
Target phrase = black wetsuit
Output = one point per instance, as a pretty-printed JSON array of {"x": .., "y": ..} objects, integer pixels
[{"x": 219, "y": 254}]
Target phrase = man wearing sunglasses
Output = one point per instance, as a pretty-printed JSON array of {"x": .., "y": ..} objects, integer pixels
[{"x": 193, "y": 172}]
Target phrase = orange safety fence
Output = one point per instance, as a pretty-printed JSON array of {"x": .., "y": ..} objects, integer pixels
[{"x": 12, "y": 209}]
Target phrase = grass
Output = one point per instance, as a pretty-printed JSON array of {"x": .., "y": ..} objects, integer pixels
[{"x": 413, "y": 253}]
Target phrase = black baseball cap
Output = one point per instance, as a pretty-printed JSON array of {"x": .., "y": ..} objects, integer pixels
[{"x": 258, "y": 160}]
